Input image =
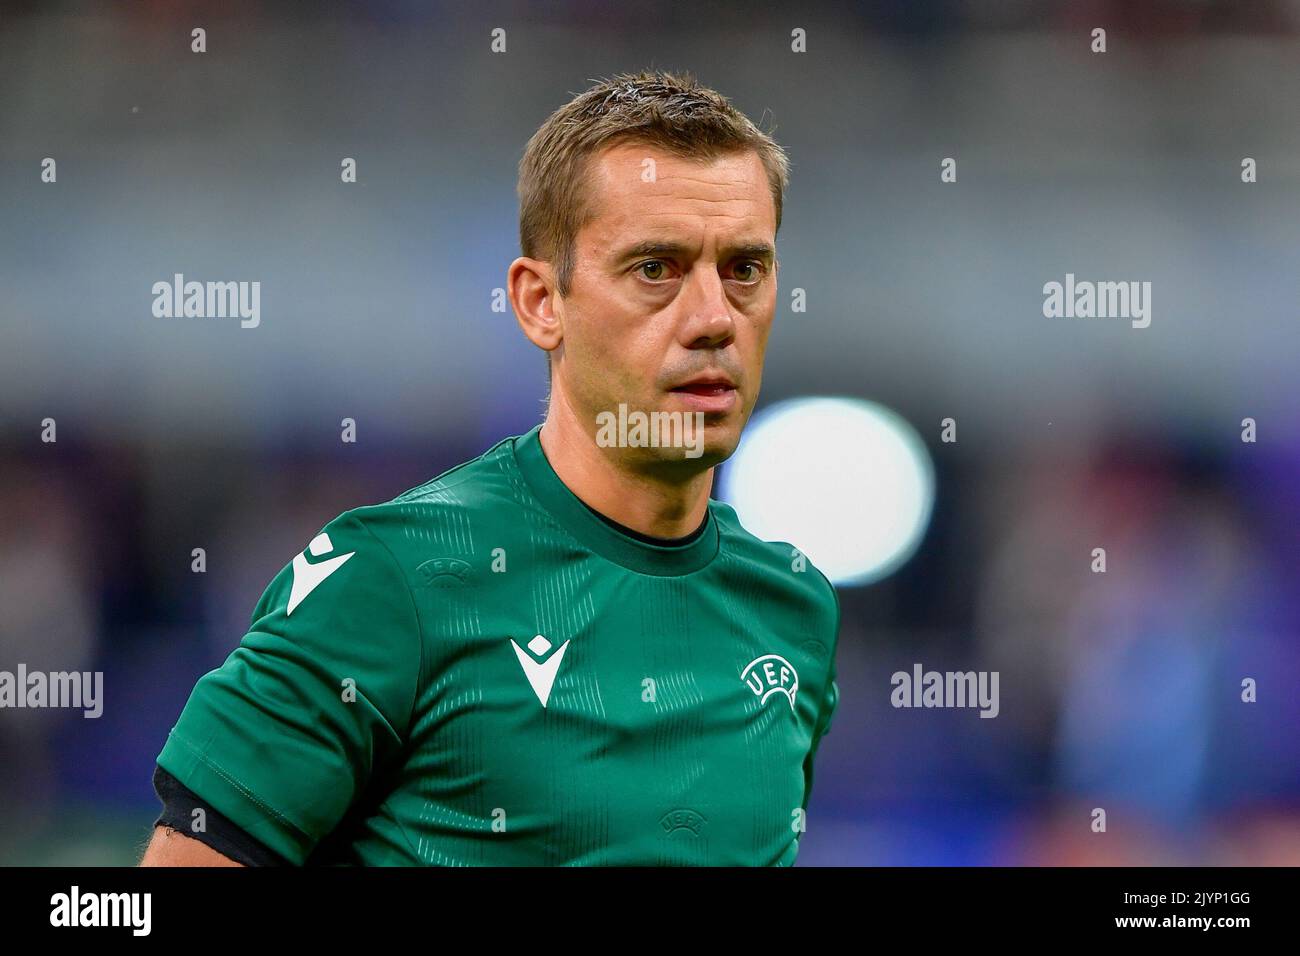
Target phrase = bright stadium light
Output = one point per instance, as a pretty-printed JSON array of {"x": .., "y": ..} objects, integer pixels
[{"x": 847, "y": 481}]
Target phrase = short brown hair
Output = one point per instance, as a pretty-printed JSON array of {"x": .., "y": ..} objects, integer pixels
[{"x": 668, "y": 110}]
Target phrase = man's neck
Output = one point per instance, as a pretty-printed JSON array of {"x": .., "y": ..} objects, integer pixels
[{"x": 656, "y": 505}]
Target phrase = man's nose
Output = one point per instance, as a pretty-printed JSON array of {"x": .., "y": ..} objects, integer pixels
[{"x": 708, "y": 313}]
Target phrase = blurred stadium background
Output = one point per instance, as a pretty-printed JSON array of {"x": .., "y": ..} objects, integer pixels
[{"x": 1119, "y": 690}]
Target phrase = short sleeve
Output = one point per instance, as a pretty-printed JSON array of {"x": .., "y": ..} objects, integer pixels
[
  {"x": 830, "y": 700},
  {"x": 285, "y": 735}
]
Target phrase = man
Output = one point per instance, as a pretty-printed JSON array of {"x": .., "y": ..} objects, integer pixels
[{"x": 563, "y": 651}]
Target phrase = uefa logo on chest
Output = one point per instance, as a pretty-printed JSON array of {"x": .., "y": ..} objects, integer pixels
[{"x": 771, "y": 674}]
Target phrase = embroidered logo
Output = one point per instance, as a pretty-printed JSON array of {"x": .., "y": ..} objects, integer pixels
[
  {"x": 683, "y": 818},
  {"x": 771, "y": 674},
  {"x": 444, "y": 572}
]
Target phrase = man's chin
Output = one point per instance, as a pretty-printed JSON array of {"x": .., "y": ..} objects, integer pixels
[
  {"x": 707, "y": 444},
  {"x": 673, "y": 435},
  {"x": 693, "y": 450}
]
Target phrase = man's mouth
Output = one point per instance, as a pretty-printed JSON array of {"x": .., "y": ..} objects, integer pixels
[
  {"x": 714, "y": 388},
  {"x": 708, "y": 394}
]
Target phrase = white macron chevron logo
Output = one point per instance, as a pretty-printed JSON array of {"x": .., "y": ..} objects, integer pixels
[
  {"x": 308, "y": 577},
  {"x": 540, "y": 674}
]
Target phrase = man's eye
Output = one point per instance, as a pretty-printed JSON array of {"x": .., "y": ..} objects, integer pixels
[
  {"x": 756, "y": 268},
  {"x": 652, "y": 264}
]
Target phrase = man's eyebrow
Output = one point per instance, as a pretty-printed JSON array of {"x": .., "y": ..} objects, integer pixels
[
  {"x": 755, "y": 249},
  {"x": 752, "y": 250}
]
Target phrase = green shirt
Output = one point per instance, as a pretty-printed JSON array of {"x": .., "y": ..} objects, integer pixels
[{"x": 483, "y": 672}]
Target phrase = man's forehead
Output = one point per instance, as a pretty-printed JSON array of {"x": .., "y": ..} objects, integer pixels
[
  {"x": 618, "y": 156},
  {"x": 635, "y": 184}
]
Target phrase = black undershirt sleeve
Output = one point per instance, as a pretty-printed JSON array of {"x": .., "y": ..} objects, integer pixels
[{"x": 179, "y": 803}]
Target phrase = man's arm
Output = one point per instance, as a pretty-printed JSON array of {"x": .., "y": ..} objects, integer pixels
[
  {"x": 170, "y": 847},
  {"x": 182, "y": 807},
  {"x": 276, "y": 745}
]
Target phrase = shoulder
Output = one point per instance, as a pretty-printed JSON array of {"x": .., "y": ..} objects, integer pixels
[
  {"x": 379, "y": 551},
  {"x": 474, "y": 483},
  {"x": 445, "y": 509},
  {"x": 780, "y": 566}
]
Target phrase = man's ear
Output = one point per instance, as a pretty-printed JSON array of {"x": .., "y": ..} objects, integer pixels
[{"x": 530, "y": 283}]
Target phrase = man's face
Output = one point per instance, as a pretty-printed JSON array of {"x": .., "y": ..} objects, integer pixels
[{"x": 673, "y": 293}]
